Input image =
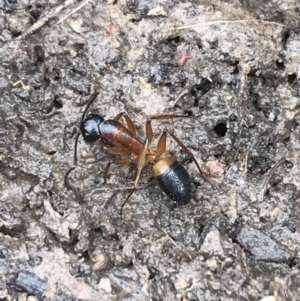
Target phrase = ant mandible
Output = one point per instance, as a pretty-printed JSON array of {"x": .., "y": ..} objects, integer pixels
[{"x": 171, "y": 176}]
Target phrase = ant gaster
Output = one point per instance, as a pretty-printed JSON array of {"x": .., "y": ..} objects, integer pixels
[{"x": 171, "y": 176}]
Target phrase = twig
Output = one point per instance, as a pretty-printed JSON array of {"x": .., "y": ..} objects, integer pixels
[
  {"x": 267, "y": 179},
  {"x": 25, "y": 87},
  {"x": 227, "y": 21},
  {"x": 246, "y": 163},
  {"x": 73, "y": 11},
  {"x": 52, "y": 13},
  {"x": 180, "y": 95}
]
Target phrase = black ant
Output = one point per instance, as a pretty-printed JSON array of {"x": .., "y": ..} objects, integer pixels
[{"x": 171, "y": 176}]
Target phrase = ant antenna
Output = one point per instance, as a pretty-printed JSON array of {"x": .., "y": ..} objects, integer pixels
[
  {"x": 124, "y": 203},
  {"x": 92, "y": 99},
  {"x": 75, "y": 148},
  {"x": 66, "y": 179}
]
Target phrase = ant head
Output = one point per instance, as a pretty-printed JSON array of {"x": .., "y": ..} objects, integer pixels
[{"x": 90, "y": 128}]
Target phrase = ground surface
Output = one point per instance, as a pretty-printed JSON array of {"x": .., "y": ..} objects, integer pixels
[{"x": 240, "y": 79}]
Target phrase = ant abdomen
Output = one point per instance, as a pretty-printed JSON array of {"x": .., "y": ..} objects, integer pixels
[{"x": 173, "y": 180}]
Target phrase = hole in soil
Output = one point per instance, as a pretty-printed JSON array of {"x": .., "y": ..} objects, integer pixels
[
  {"x": 220, "y": 129},
  {"x": 51, "y": 153},
  {"x": 56, "y": 74},
  {"x": 292, "y": 262},
  {"x": 130, "y": 265},
  {"x": 292, "y": 78},
  {"x": 236, "y": 69},
  {"x": 263, "y": 219},
  {"x": 77, "y": 71},
  {"x": 134, "y": 21},
  {"x": 63, "y": 41},
  {"x": 285, "y": 38},
  {"x": 15, "y": 34},
  {"x": 152, "y": 273},
  {"x": 86, "y": 256},
  {"x": 196, "y": 183},
  {"x": 34, "y": 14},
  {"x": 39, "y": 52},
  {"x": 278, "y": 16},
  {"x": 294, "y": 124},
  {"x": 256, "y": 105},
  {"x": 56, "y": 104},
  {"x": 286, "y": 140},
  {"x": 175, "y": 40},
  {"x": 280, "y": 64},
  {"x": 275, "y": 184},
  {"x": 289, "y": 225},
  {"x": 79, "y": 46},
  {"x": 214, "y": 44},
  {"x": 74, "y": 237},
  {"x": 188, "y": 112},
  {"x": 199, "y": 90}
]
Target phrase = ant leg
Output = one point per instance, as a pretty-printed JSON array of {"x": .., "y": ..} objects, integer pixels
[
  {"x": 116, "y": 151},
  {"x": 149, "y": 130},
  {"x": 141, "y": 160},
  {"x": 91, "y": 100},
  {"x": 185, "y": 149},
  {"x": 129, "y": 122},
  {"x": 75, "y": 148},
  {"x": 191, "y": 156},
  {"x": 167, "y": 116},
  {"x": 161, "y": 144},
  {"x": 118, "y": 161},
  {"x": 66, "y": 180},
  {"x": 112, "y": 150}
]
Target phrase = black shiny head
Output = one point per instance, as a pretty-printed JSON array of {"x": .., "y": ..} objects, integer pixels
[{"x": 90, "y": 128}]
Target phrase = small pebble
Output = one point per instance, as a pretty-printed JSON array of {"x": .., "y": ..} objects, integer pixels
[{"x": 105, "y": 285}]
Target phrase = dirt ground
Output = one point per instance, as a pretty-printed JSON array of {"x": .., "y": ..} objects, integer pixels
[{"x": 233, "y": 66}]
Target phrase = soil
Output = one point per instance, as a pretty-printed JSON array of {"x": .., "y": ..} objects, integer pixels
[{"x": 233, "y": 67}]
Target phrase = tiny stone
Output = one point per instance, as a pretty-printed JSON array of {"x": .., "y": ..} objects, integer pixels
[
  {"x": 32, "y": 298},
  {"x": 105, "y": 285},
  {"x": 212, "y": 263},
  {"x": 269, "y": 298}
]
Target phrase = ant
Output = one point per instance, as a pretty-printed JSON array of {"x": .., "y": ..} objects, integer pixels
[{"x": 171, "y": 176}]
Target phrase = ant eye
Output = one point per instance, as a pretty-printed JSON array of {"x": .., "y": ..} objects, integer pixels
[{"x": 90, "y": 128}]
